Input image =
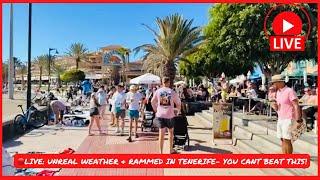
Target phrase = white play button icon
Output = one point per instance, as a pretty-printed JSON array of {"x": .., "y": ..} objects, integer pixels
[{"x": 286, "y": 25}]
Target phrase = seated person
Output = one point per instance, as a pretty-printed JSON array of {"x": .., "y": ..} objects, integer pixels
[
  {"x": 260, "y": 105},
  {"x": 250, "y": 93},
  {"x": 233, "y": 92},
  {"x": 308, "y": 111},
  {"x": 78, "y": 101}
]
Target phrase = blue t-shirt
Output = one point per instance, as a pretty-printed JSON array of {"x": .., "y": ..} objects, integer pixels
[{"x": 86, "y": 86}]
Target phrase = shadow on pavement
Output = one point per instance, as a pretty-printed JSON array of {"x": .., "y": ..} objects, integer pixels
[
  {"x": 198, "y": 140},
  {"x": 198, "y": 147},
  {"x": 199, "y": 128},
  {"x": 13, "y": 143}
]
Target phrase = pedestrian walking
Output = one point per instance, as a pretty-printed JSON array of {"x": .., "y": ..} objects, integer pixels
[
  {"x": 163, "y": 103},
  {"x": 133, "y": 99},
  {"x": 102, "y": 100},
  {"x": 70, "y": 94},
  {"x": 119, "y": 108},
  {"x": 111, "y": 96},
  {"x": 94, "y": 113}
]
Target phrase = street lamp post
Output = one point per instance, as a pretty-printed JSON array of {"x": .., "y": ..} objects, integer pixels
[
  {"x": 49, "y": 65},
  {"x": 29, "y": 58}
]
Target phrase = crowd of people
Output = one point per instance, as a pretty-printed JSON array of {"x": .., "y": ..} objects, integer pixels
[{"x": 134, "y": 100}]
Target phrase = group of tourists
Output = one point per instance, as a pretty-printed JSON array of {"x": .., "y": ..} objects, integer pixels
[
  {"x": 166, "y": 103},
  {"x": 163, "y": 101}
]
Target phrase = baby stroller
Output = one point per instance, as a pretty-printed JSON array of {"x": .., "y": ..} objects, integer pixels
[
  {"x": 181, "y": 135},
  {"x": 148, "y": 121},
  {"x": 148, "y": 118}
]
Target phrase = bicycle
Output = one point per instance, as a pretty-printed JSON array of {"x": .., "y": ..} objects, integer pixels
[{"x": 31, "y": 118}]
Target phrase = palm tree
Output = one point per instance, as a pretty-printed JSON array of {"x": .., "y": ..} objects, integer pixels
[
  {"x": 42, "y": 63},
  {"x": 5, "y": 70},
  {"x": 16, "y": 65},
  {"x": 78, "y": 51},
  {"x": 176, "y": 39},
  {"x": 125, "y": 53},
  {"x": 59, "y": 69},
  {"x": 22, "y": 71}
]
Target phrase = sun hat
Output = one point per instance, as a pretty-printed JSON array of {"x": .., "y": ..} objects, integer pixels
[
  {"x": 277, "y": 78},
  {"x": 133, "y": 87},
  {"x": 120, "y": 85}
]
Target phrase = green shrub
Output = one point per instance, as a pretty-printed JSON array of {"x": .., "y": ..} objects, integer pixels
[{"x": 73, "y": 75}]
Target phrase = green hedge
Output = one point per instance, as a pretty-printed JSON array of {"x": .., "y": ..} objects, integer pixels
[{"x": 73, "y": 75}]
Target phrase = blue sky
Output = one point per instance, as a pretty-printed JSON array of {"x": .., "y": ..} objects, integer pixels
[{"x": 95, "y": 25}]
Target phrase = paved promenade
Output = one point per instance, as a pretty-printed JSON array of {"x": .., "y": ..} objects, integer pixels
[{"x": 52, "y": 139}]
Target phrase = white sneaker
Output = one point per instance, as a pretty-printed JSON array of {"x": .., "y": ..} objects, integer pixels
[{"x": 117, "y": 132}]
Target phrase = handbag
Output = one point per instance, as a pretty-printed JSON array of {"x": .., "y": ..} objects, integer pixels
[{"x": 297, "y": 131}]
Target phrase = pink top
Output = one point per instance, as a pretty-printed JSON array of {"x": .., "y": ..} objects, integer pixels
[
  {"x": 164, "y": 100},
  {"x": 285, "y": 96}
]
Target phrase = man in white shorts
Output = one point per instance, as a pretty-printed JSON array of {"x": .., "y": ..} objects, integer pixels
[{"x": 287, "y": 107}]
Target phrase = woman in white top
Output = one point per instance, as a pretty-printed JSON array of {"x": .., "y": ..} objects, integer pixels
[
  {"x": 94, "y": 113},
  {"x": 102, "y": 100}
]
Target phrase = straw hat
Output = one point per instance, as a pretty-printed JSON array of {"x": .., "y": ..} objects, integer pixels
[
  {"x": 277, "y": 78},
  {"x": 132, "y": 87}
]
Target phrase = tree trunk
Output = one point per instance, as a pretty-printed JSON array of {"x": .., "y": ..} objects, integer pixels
[
  {"x": 169, "y": 70},
  {"x": 40, "y": 78},
  {"x": 22, "y": 80},
  {"x": 77, "y": 63},
  {"x": 59, "y": 81}
]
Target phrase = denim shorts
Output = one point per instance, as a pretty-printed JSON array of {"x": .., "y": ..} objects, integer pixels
[{"x": 133, "y": 114}]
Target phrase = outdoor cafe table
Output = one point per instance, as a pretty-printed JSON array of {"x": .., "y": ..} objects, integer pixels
[
  {"x": 246, "y": 99},
  {"x": 233, "y": 98}
]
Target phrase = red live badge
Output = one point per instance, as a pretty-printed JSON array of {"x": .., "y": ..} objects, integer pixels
[{"x": 287, "y": 28}]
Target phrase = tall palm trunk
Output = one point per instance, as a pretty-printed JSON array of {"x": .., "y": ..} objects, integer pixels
[
  {"x": 77, "y": 63},
  {"x": 40, "y": 79},
  {"x": 169, "y": 70},
  {"x": 59, "y": 80}
]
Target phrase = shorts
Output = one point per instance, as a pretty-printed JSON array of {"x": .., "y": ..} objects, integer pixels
[
  {"x": 133, "y": 114},
  {"x": 284, "y": 129},
  {"x": 121, "y": 113},
  {"x": 94, "y": 111},
  {"x": 164, "y": 123}
]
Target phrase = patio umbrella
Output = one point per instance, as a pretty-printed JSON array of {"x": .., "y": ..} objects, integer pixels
[{"x": 147, "y": 78}]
